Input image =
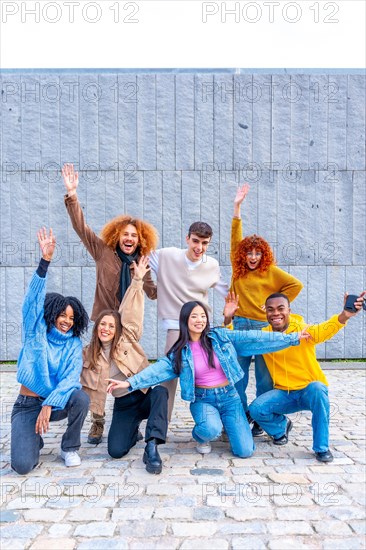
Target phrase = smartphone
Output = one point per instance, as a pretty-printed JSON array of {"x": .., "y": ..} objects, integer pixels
[{"x": 349, "y": 305}]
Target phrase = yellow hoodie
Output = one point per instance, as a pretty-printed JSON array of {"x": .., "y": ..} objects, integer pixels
[{"x": 295, "y": 367}]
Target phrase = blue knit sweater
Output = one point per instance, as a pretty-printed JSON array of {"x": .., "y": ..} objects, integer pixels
[{"x": 49, "y": 363}]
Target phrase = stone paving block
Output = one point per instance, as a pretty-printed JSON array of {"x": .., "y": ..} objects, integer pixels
[
  {"x": 7, "y": 516},
  {"x": 40, "y": 515},
  {"x": 138, "y": 513},
  {"x": 296, "y": 543},
  {"x": 249, "y": 513},
  {"x": 331, "y": 528},
  {"x": 256, "y": 527},
  {"x": 289, "y": 527},
  {"x": 95, "y": 529},
  {"x": 185, "y": 529},
  {"x": 60, "y": 530},
  {"x": 178, "y": 512},
  {"x": 43, "y": 543},
  {"x": 104, "y": 544},
  {"x": 166, "y": 543},
  {"x": 359, "y": 527},
  {"x": 205, "y": 544},
  {"x": 247, "y": 543},
  {"x": 163, "y": 490},
  {"x": 25, "y": 504},
  {"x": 85, "y": 514},
  {"x": 351, "y": 543},
  {"x": 15, "y": 544},
  {"x": 148, "y": 528},
  {"x": 20, "y": 531}
]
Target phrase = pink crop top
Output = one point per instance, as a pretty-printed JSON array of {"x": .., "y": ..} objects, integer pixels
[{"x": 203, "y": 373}]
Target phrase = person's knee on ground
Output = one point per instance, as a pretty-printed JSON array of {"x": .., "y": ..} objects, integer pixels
[{"x": 23, "y": 465}]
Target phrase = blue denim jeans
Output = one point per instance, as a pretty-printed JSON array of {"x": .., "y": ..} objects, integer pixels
[
  {"x": 26, "y": 444},
  {"x": 269, "y": 410},
  {"x": 217, "y": 407},
  {"x": 263, "y": 379}
]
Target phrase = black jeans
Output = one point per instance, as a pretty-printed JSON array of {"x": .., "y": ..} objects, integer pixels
[
  {"x": 129, "y": 411},
  {"x": 26, "y": 444}
]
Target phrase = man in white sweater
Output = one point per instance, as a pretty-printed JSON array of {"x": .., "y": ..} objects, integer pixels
[{"x": 184, "y": 275}]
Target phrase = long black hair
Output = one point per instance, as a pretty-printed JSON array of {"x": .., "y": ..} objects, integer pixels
[
  {"x": 55, "y": 304},
  {"x": 175, "y": 352}
]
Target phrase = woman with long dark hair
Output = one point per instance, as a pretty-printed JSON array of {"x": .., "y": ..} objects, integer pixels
[
  {"x": 205, "y": 360},
  {"x": 114, "y": 351},
  {"x": 49, "y": 367}
]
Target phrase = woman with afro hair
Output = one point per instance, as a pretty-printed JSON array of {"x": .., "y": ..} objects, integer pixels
[
  {"x": 254, "y": 277},
  {"x": 122, "y": 242},
  {"x": 49, "y": 367}
]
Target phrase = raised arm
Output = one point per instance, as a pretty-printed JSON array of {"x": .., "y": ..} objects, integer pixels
[
  {"x": 90, "y": 240},
  {"x": 131, "y": 309},
  {"x": 241, "y": 193},
  {"x": 34, "y": 299},
  {"x": 236, "y": 224}
]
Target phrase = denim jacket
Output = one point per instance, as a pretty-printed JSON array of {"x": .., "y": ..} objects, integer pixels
[{"x": 226, "y": 345}]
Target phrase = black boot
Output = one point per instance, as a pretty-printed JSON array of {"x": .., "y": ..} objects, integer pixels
[{"x": 152, "y": 458}]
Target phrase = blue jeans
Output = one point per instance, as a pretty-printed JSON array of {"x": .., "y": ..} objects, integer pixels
[
  {"x": 217, "y": 407},
  {"x": 269, "y": 410},
  {"x": 263, "y": 379},
  {"x": 26, "y": 444}
]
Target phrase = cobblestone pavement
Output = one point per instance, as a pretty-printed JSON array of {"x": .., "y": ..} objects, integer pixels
[{"x": 280, "y": 498}]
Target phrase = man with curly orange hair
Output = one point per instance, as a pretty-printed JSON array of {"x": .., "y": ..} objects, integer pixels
[
  {"x": 123, "y": 241},
  {"x": 255, "y": 276}
]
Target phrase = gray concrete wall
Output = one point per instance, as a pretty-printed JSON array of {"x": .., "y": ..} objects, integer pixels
[{"x": 171, "y": 148}]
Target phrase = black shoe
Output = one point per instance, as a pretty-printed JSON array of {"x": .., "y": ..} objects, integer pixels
[
  {"x": 152, "y": 458},
  {"x": 325, "y": 456},
  {"x": 284, "y": 438},
  {"x": 257, "y": 430}
]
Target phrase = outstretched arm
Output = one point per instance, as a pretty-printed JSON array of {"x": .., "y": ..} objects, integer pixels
[{"x": 155, "y": 373}]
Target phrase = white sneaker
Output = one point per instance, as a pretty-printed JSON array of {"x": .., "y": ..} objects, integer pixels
[
  {"x": 204, "y": 448},
  {"x": 71, "y": 458}
]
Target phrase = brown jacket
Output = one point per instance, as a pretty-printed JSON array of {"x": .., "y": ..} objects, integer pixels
[
  {"x": 130, "y": 359},
  {"x": 107, "y": 262}
]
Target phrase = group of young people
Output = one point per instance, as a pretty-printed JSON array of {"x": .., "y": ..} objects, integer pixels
[{"x": 60, "y": 380}]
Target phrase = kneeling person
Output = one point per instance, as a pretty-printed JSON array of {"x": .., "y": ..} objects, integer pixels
[
  {"x": 49, "y": 368},
  {"x": 114, "y": 351},
  {"x": 298, "y": 379}
]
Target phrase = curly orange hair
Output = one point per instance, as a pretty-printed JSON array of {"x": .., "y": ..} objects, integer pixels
[
  {"x": 147, "y": 234},
  {"x": 240, "y": 267}
]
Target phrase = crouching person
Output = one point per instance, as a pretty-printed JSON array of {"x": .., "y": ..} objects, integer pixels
[
  {"x": 206, "y": 362},
  {"x": 299, "y": 382},
  {"x": 114, "y": 351},
  {"x": 49, "y": 367}
]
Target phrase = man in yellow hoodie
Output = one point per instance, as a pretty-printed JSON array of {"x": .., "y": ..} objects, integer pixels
[{"x": 298, "y": 380}]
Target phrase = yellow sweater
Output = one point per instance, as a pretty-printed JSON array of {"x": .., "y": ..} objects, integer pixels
[
  {"x": 295, "y": 367},
  {"x": 255, "y": 287}
]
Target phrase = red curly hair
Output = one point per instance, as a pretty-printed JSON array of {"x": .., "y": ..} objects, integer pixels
[
  {"x": 240, "y": 266},
  {"x": 147, "y": 234}
]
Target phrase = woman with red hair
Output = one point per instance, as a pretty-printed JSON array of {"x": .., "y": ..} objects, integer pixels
[{"x": 255, "y": 276}]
